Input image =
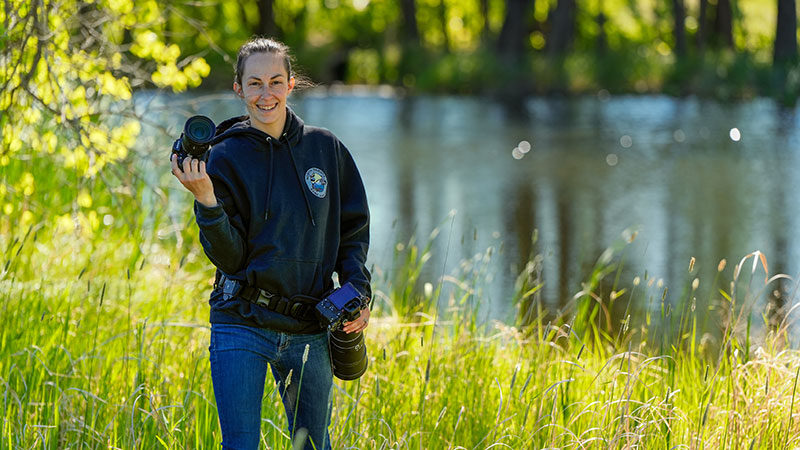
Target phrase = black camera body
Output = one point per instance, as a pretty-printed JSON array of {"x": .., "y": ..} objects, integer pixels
[
  {"x": 342, "y": 305},
  {"x": 348, "y": 350},
  {"x": 198, "y": 132}
]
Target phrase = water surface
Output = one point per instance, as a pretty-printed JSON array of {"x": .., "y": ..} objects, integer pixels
[{"x": 692, "y": 178}]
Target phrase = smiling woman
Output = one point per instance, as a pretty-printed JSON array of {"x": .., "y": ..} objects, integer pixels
[
  {"x": 276, "y": 254},
  {"x": 263, "y": 85}
]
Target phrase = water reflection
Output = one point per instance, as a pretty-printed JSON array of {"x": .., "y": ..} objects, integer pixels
[{"x": 665, "y": 167}]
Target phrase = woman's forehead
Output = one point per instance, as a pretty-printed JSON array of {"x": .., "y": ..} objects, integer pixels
[{"x": 264, "y": 65}]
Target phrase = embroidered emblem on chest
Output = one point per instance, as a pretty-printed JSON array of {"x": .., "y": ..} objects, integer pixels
[{"x": 317, "y": 182}]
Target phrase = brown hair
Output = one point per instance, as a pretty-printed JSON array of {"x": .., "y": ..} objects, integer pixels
[{"x": 262, "y": 45}]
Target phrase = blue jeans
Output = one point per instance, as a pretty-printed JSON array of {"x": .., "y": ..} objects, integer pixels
[{"x": 239, "y": 357}]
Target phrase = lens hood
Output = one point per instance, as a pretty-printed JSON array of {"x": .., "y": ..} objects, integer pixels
[{"x": 198, "y": 132}]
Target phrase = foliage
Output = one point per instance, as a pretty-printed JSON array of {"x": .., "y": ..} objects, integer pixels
[
  {"x": 362, "y": 41},
  {"x": 104, "y": 336},
  {"x": 68, "y": 69}
]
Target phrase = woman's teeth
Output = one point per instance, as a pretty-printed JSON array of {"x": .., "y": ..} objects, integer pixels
[{"x": 267, "y": 108}]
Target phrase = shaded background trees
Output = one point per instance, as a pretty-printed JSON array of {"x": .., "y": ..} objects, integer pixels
[{"x": 721, "y": 48}]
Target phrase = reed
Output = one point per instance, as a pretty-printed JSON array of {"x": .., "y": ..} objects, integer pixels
[{"x": 104, "y": 342}]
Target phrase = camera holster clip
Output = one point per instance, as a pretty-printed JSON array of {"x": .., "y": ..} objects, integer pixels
[{"x": 230, "y": 288}]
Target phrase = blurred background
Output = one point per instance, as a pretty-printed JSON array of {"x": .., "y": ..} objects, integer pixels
[
  {"x": 506, "y": 144},
  {"x": 511, "y": 48}
]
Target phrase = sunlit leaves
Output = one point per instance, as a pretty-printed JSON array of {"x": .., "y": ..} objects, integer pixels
[{"x": 68, "y": 69}]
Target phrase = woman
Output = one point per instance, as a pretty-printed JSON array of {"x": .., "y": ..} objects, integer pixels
[{"x": 280, "y": 207}]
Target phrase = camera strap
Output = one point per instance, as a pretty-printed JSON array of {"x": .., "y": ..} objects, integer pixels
[{"x": 300, "y": 307}]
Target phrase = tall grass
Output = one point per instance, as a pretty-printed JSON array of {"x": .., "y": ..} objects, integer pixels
[{"x": 104, "y": 337}]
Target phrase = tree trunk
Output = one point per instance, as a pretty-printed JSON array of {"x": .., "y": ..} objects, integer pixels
[
  {"x": 511, "y": 42},
  {"x": 679, "y": 11},
  {"x": 602, "y": 39},
  {"x": 485, "y": 32},
  {"x": 785, "y": 49},
  {"x": 701, "y": 26},
  {"x": 562, "y": 27},
  {"x": 723, "y": 25},
  {"x": 410, "y": 29},
  {"x": 443, "y": 21},
  {"x": 266, "y": 25}
]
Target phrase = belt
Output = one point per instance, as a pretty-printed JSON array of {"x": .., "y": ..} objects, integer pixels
[{"x": 298, "y": 306}]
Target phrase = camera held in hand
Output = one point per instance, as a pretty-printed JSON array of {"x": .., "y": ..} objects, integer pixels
[
  {"x": 198, "y": 132},
  {"x": 348, "y": 350}
]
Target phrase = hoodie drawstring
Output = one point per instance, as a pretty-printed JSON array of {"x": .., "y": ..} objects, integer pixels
[
  {"x": 269, "y": 183},
  {"x": 302, "y": 186}
]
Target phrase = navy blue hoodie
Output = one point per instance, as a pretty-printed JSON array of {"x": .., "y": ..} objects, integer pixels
[{"x": 291, "y": 211}]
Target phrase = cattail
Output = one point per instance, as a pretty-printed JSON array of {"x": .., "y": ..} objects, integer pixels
[
  {"x": 721, "y": 265},
  {"x": 691, "y": 264},
  {"x": 695, "y": 284},
  {"x": 660, "y": 283},
  {"x": 289, "y": 378},
  {"x": 305, "y": 353},
  {"x": 636, "y": 281},
  {"x": 428, "y": 290},
  {"x": 441, "y": 414}
]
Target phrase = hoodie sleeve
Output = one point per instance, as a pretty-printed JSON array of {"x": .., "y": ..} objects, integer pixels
[
  {"x": 354, "y": 239},
  {"x": 221, "y": 227}
]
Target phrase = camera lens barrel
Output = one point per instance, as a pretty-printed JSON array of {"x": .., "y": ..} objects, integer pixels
[
  {"x": 348, "y": 354},
  {"x": 198, "y": 132}
]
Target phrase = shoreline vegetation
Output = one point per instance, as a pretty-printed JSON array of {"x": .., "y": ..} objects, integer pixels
[{"x": 105, "y": 334}]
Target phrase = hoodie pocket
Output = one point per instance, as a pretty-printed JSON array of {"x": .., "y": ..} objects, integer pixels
[{"x": 290, "y": 276}]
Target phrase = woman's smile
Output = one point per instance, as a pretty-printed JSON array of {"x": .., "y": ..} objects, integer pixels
[{"x": 265, "y": 86}]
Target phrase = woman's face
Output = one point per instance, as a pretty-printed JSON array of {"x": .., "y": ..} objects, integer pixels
[{"x": 265, "y": 86}]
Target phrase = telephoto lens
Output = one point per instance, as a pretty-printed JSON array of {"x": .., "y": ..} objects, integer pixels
[
  {"x": 198, "y": 132},
  {"x": 348, "y": 354}
]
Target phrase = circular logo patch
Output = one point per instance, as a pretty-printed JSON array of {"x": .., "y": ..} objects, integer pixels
[{"x": 317, "y": 182}]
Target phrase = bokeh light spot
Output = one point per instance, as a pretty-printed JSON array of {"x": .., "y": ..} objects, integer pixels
[
  {"x": 626, "y": 141},
  {"x": 736, "y": 135},
  {"x": 612, "y": 159},
  {"x": 524, "y": 146}
]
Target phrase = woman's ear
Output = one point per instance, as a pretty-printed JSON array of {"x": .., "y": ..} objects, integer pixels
[
  {"x": 238, "y": 89},
  {"x": 292, "y": 82}
]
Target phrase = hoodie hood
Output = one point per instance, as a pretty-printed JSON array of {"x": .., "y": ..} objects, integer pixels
[{"x": 237, "y": 126}]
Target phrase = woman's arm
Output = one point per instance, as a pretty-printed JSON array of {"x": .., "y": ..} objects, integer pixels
[
  {"x": 354, "y": 240},
  {"x": 221, "y": 226}
]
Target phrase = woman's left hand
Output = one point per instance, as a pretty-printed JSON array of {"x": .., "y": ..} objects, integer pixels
[{"x": 359, "y": 324}]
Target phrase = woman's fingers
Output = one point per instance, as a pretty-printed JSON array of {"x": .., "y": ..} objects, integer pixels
[
  {"x": 173, "y": 162},
  {"x": 195, "y": 179},
  {"x": 187, "y": 165},
  {"x": 359, "y": 324}
]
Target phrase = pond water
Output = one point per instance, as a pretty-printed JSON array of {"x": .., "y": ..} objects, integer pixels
[{"x": 690, "y": 177}]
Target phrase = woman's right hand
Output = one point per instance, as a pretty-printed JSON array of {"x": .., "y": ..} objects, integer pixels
[{"x": 195, "y": 178}]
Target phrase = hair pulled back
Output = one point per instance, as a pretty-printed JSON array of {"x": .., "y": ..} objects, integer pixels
[{"x": 262, "y": 45}]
